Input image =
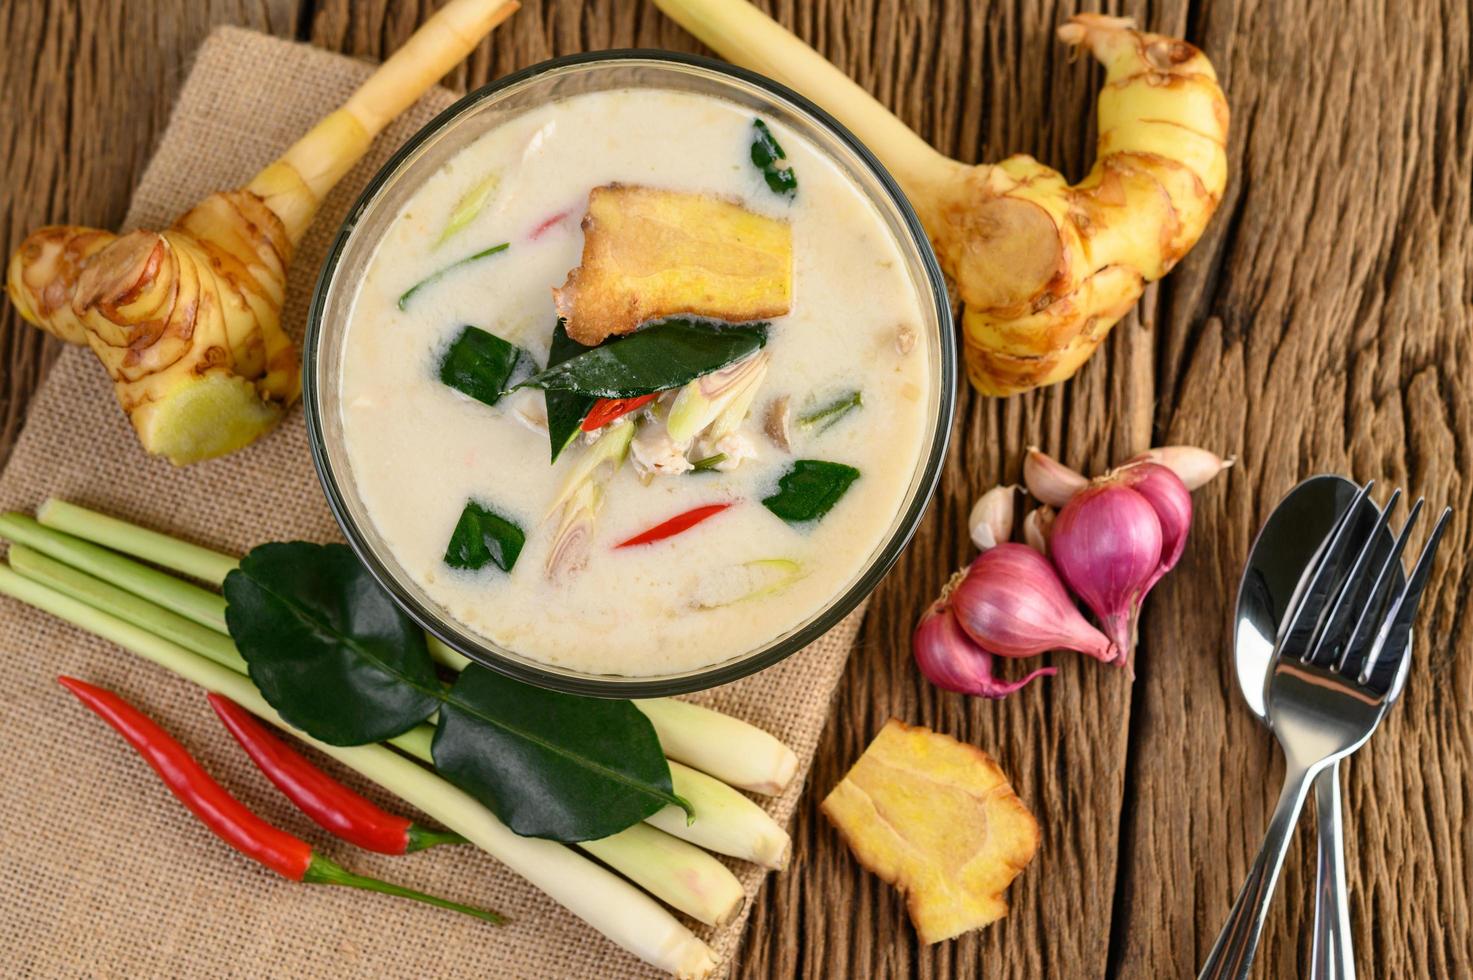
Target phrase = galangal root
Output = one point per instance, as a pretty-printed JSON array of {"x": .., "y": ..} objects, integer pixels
[
  {"x": 187, "y": 321},
  {"x": 650, "y": 253},
  {"x": 939, "y": 820},
  {"x": 1044, "y": 268}
]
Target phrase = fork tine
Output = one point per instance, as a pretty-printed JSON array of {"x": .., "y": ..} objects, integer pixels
[
  {"x": 1371, "y": 614},
  {"x": 1317, "y": 577},
  {"x": 1404, "y": 609},
  {"x": 1341, "y": 605}
]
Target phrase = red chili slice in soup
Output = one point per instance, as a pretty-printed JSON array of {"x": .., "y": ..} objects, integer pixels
[
  {"x": 675, "y": 525},
  {"x": 606, "y": 410}
]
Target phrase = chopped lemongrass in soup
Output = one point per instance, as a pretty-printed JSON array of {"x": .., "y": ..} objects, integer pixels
[{"x": 665, "y": 406}]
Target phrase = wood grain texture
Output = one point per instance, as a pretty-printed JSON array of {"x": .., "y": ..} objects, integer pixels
[{"x": 1324, "y": 323}]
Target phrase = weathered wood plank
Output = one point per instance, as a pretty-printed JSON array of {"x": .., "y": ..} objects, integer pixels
[{"x": 1329, "y": 330}]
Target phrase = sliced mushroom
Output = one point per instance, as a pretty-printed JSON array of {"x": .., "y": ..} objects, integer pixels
[
  {"x": 778, "y": 424},
  {"x": 905, "y": 338}
]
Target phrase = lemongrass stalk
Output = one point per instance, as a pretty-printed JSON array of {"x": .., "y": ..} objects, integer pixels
[
  {"x": 743, "y": 34},
  {"x": 677, "y": 873},
  {"x": 653, "y": 859},
  {"x": 295, "y": 185},
  {"x": 725, "y": 822},
  {"x": 735, "y": 752},
  {"x": 446, "y": 657},
  {"x": 162, "y": 622},
  {"x": 665, "y": 862},
  {"x": 58, "y": 517},
  {"x": 185, "y": 598},
  {"x": 417, "y": 742},
  {"x": 719, "y": 745},
  {"x": 126, "y": 606},
  {"x": 140, "y": 542},
  {"x": 611, "y": 905}
]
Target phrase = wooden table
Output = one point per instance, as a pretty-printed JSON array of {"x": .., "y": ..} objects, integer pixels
[{"x": 1324, "y": 323}]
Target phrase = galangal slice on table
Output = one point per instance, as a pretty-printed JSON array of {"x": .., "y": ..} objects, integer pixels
[
  {"x": 937, "y": 819},
  {"x": 187, "y": 320}
]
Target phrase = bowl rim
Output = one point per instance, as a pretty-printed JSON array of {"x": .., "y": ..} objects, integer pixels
[{"x": 615, "y": 686}]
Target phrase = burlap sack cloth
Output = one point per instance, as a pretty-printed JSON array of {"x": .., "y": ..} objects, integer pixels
[{"x": 101, "y": 871}]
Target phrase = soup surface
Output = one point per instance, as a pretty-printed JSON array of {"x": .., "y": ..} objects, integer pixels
[{"x": 846, "y": 382}]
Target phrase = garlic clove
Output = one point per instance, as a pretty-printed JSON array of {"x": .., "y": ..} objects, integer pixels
[
  {"x": 1050, "y": 481},
  {"x": 991, "y": 520},
  {"x": 951, "y": 660},
  {"x": 1195, "y": 466},
  {"x": 1036, "y": 528}
]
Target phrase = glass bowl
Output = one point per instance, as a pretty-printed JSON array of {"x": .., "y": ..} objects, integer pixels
[{"x": 461, "y": 124}]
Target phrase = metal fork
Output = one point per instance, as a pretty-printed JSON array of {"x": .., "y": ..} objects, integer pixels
[{"x": 1327, "y": 690}]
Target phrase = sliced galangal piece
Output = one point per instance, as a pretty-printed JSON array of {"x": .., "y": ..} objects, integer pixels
[
  {"x": 937, "y": 819},
  {"x": 650, "y": 253}
]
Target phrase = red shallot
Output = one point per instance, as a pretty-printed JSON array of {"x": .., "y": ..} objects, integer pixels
[
  {"x": 1172, "y": 502},
  {"x": 1011, "y": 602},
  {"x": 1106, "y": 542},
  {"x": 1115, "y": 539},
  {"x": 951, "y": 660}
]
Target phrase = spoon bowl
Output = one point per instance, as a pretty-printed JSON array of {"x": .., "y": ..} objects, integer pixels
[{"x": 1284, "y": 549}]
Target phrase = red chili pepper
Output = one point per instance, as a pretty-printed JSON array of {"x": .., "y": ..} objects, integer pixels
[
  {"x": 542, "y": 228},
  {"x": 676, "y": 524},
  {"x": 331, "y": 805},
  {"x": 284, "y": 853},
  {"x": 606, "y": 410}
]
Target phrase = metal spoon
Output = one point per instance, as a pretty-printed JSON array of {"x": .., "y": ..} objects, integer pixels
[{"x": 1283, "y": 550}]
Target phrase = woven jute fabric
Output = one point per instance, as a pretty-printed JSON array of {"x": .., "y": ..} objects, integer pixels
[{"x": 104, "y": 873}]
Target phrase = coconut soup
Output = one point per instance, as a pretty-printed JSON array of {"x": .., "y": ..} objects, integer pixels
[{"x": 636, "y": 383}]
